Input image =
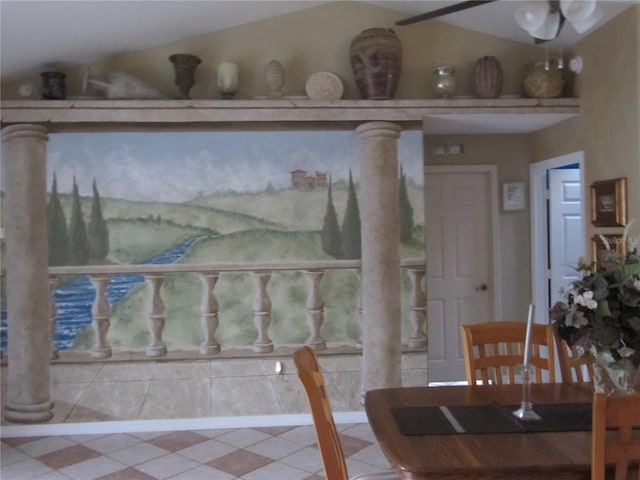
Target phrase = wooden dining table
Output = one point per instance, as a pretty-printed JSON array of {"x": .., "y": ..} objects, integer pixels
[{"x": 397, "y": 415}]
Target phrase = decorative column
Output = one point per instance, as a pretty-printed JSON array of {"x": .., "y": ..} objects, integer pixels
[
  {"x": 24, "y": 156},
  {"x": 379, "y": 210},
  {"x": 262, "y": 312},
  {"x": 418, "y": 307},
  {"x": 315, "y": 309},
  {"x": 156, "y": 347},
  {"x": 101, "y": 312},
  {"x": 53, "y": 318},
  {"x": 209, "y": 314}
]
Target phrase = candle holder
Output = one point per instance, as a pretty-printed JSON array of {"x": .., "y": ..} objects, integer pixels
[{"x": 525, "y": 412}]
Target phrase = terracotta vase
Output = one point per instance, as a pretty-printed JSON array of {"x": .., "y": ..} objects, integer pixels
[
  {"x": 376, "y": 60},
  {"x": 185, "y": 67},
  {"x": 487, "y": 78}
]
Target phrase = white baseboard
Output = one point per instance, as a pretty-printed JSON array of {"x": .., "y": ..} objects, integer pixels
[{"x": 171, "y": 424}]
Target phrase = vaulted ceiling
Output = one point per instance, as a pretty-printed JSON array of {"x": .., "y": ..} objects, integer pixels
[{"x": 37, "y": 33}]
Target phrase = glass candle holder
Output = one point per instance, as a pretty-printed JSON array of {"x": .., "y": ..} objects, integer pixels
[{"x": 444, "y": 81}]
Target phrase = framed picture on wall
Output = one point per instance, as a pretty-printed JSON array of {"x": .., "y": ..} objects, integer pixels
[
  {"x": 609, "y": 203},
  {"x": 513, "y": 196},
  {"x": 604, "y": 243}
]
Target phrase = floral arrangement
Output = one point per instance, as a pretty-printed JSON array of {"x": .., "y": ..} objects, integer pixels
[{"x": 601, "y": 312}]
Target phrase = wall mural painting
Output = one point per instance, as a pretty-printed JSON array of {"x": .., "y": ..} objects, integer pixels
[{"x": 208, "y": 197}]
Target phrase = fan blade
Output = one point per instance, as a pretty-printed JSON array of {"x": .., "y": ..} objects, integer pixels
[
  {"x": 457, "y": 7},
  {"x": 538, "y": 41}
]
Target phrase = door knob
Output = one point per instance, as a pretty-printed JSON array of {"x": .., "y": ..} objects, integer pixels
[{"x": 482, "y": 288}]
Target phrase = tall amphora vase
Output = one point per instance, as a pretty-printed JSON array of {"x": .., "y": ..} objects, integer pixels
[
  {"x": 184, "y": 65},
  {"x": 376, "y": 60},
  {"x": 614, "y": 377},
  {"x": 487, "y": 77}
]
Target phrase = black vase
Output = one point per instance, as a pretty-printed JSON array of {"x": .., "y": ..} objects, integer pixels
[{"x": 53, "y": 85}]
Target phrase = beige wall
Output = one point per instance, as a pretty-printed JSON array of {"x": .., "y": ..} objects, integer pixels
[
  {"x": 318, "y": 39},
  {"x": 511, "y": 154},
  {"x": 608, "y": 127},
  {"x": 308, "y": 41}
]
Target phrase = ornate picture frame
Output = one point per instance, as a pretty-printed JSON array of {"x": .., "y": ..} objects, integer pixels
[
  {"x": 513, "y": 196},
  {"x": 616, "y": 242},
  {"x": 609, "y": 203}
]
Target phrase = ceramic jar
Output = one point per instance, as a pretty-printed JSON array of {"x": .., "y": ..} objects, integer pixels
[
  {"x": 543, "y": 80},
  {"x": 376, "y": 60},
  {"x": 444, "y": 81},
  {"x": 227, "y": 79},
  {"x": 184, "y": 65},
  {"x": 53, "y": 85},
  {"x": 487, "y": 78},
  {"x": 274, "y": 78}
]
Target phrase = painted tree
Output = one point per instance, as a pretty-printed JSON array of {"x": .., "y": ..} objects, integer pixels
[
  {"x": 98, "y": 232},
  {"x": 351, "y": 233},
  {"x": 78, "y": 243},
  {"x": 57, "y": 236},
  {"x": 406, "y": 210},
  {"x": 331, "y": 236}
]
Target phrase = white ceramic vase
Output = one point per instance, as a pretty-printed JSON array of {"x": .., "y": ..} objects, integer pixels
[{"x": 227, "y": 74}]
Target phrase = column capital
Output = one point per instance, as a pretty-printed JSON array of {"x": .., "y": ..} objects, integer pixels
[
  {"x": 379, "y": 129},
  {"x": 25, "y": 130}
]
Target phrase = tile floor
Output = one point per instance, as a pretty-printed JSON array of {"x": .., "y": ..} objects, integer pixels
[{"x": 258, "y": 453}]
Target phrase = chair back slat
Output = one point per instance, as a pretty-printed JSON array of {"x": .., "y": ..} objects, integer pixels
[
  {"x": 615, "y": 438},
  {"x": 494, "y": 352},
  {"x": 574, "y": 368}
]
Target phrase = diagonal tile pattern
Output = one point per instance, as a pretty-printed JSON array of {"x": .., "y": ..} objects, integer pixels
[{"x": 261, "y": 453}]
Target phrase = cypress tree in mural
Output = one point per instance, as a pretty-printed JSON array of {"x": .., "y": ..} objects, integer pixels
[
  {"x": 78, "y": 243},
  {"x": 351, "y": 235},
  {"x": 98, "y": 233},
  {"x": 331, "y": 237},
  {"x": 57, "y": 237},
  {"x": 406, "y": 210}
]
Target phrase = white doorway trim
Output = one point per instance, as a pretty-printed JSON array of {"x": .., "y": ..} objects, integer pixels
[{"x": 539, "y": 227}]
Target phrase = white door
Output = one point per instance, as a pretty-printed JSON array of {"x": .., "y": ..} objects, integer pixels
[
  {"x": 565, "y": 228},
  {"x": 460, "y": 284}
]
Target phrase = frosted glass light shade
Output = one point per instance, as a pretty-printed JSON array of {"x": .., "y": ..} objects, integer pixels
[
  {"x": 577, "y": 10},
  {"x": 532, "y": 15},
  {"x": 589, "y": 22},
  {"x": 549, "y": 28}
]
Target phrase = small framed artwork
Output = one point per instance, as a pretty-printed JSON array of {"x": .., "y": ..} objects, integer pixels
[
  {"x": 513, "y": 196},
  {"x": 609, "y": 203},
  {"x": 615, "y": 243}
]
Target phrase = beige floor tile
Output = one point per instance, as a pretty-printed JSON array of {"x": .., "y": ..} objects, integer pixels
[
  {"x": 71, "y": 373},
  {"x": 166, "y": 370},
  {"x": 128, "y": 371}
]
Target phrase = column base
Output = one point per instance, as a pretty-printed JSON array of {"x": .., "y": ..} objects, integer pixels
[
  {"x": 316, "y": 343},
  {"x": 101, "y": 352},
  {"x": 158, "y": 351},
  {"x": 209, "y": 349},
  {"x": 263, "y": 347},
  {"x": 35, "y": 413}
]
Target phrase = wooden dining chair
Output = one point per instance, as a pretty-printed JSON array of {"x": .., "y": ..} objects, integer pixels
[
  {"x": 335, "y": 466},
  {"x": 613, "y": 439},
  {"x": 493, "y": 352},
  {"x": 574, "y": 367}
]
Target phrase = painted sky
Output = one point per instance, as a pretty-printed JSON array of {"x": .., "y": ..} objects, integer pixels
[{"x": 177, "y": 167}]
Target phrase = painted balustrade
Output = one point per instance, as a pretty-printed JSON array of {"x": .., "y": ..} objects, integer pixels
[{"x": 154, "y": 276}]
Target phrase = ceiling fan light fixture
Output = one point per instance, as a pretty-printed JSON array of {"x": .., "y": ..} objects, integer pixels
[
  {"x": 589, "y": 22},
  {"x": 550, "y": 27},
  {"x": 532, "y": 15},
  {"x": 577, "y": 10}
]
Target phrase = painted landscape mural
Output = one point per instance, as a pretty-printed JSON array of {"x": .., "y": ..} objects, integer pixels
[{"x": 211, "y": 197}]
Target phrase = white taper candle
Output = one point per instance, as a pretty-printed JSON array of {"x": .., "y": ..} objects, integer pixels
[{"x": 527, "y": 339}]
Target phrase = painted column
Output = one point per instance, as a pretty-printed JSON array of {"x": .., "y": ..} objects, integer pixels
[
  {"x": 379, "y": 212},
  {"x": 28, "y": 301}
]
